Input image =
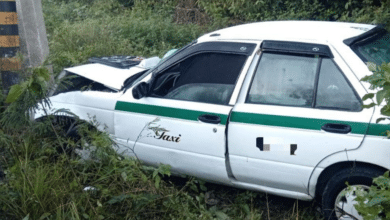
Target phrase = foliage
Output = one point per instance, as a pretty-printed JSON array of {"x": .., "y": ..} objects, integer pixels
[
  {"x": 104, "y": 28},
  {"x": 238, "y": 11},
  {"x": 379, "y": 80},
  {"x": 25, "y": 96},
  {"x": 375, "y": 203}
]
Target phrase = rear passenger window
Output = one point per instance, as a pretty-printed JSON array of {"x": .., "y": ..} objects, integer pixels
[
  {"x": 284, "y": 80},
  {"x": 296, "y": 80},
  {"x": 334, "y": 92}
]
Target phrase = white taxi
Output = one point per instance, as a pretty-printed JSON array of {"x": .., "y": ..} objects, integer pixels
[{"x": 269, "y": 106}]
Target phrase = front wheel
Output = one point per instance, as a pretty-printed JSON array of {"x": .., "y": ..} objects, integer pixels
[{"x": 337, "y": 201}]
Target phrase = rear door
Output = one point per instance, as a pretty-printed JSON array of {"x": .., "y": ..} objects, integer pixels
[
  {"x": 182, "y": 123},
  {"x": 298, "y": 106}
]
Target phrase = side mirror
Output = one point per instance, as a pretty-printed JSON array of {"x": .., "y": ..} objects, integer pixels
[{"x": 141, "y": 90}]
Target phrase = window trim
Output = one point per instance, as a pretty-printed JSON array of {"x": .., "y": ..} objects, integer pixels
[
  {"x": 316, "y": 80},
  {"x": 211, "y": 47},
  {"x": 297, "y": 48},
  {"x": 152, "y": 81}
]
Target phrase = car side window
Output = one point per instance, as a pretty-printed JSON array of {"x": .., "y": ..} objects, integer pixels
[
  {"x": 334, "y": 91},
  {"x": 282, "y": 79},
  {"x": 206, "y": 77}
]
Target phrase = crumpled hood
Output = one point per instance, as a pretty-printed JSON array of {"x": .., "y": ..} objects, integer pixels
[{"x": 109, "y": 76}]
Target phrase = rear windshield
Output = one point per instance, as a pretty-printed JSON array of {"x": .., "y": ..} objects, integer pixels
[{"x": 374, "y": 49}]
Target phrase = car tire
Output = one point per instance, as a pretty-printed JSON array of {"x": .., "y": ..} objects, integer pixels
[
  {"x": 68, "y": 129},
  {"x": 357, "y": 177}
]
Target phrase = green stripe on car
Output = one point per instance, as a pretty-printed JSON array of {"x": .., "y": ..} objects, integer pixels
[
  {"x": 165, "y": 111},
  {"x": 305, "y": 123},
  {"x": 251, "y": 118}
]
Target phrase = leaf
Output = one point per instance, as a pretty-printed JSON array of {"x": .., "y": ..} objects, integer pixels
[
  {"x": 116, "y": 199},
  {"x": 203, "y": 187},
  {"x": 246, "y": 209},
  {"x": 369, "y": 106},
  {"x": 99, "y": 204},
  {"x": 157, "y": 182},
  {"x": 144, "y": 177},
  {"x": 45, "y": 215},
  {"x": 386, "y": 174},
  {"x": 74, "y": 184},
  {"x": 221, "y": 215},
  {"x": 85, "y": 216},
  {"x": 380, "y": 96},
  {"x": 14, "y": 93},
  {"x": 371, "y": 66},
  {"x": 124, "y": 176},
  {"x": 368, "y": 96},
  {"x": 380, "y": 119},
  {"x": 155, "y": 173},
  {"x": 385, "y": 111},
  {"x": 27, "y": 217}
]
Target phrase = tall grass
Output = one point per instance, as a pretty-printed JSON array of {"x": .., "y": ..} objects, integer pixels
[{"x": 104, "y": 28}]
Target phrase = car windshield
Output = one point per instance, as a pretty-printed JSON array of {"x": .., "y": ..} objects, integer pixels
[
  {"x": 376, "y": 49},
  {"x": 172, "y": 53}
]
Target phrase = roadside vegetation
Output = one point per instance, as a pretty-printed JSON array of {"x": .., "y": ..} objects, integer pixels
[{"x": 43, "y": 182}]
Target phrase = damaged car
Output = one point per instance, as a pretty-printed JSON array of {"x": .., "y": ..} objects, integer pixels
[{"x": 270, "y": 106}]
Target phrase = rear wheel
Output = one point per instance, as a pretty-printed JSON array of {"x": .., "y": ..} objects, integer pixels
[{"x": 337, "y": 202}]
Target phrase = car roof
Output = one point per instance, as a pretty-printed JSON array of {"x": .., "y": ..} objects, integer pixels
[{"x": 302, "y": 31}]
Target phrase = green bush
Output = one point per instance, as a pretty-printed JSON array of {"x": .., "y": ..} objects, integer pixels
[
  {"x": 375, "y": 203},
  {"x": 238, "y": 11},
  {"x": 380, "y": 79}
]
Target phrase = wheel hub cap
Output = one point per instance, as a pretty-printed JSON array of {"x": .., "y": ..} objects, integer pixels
[{"x": 345, "y": 201}]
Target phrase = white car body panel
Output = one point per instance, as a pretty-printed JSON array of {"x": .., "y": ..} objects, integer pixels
[
  {"x": 86, "y": 105},
  {"x": 202, "y": 151},
  {"x": 106, "y": 75}
]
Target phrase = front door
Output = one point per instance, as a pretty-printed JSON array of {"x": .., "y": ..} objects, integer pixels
[
  {"x": 296, "y": 109},
  {"x": 182, "y": 122}
]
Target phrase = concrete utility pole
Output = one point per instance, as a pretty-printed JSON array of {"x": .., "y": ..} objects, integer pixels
[
  {"x": 32, "y": 31},
  {"x": 22, "y": 28}
]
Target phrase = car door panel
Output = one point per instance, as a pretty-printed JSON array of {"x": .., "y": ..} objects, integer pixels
[
  {"x": 181, "y": 130},
  {"x": 182, "y": 141},
  {"x": 292, "y": 139}
]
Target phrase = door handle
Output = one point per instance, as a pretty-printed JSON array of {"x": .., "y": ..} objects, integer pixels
[
  {"x": 212, "y": 119},
  {"x": 336, "y": 128}
]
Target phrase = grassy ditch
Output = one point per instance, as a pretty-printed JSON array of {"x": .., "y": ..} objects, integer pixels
[{"x": 43, "y": 182}]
